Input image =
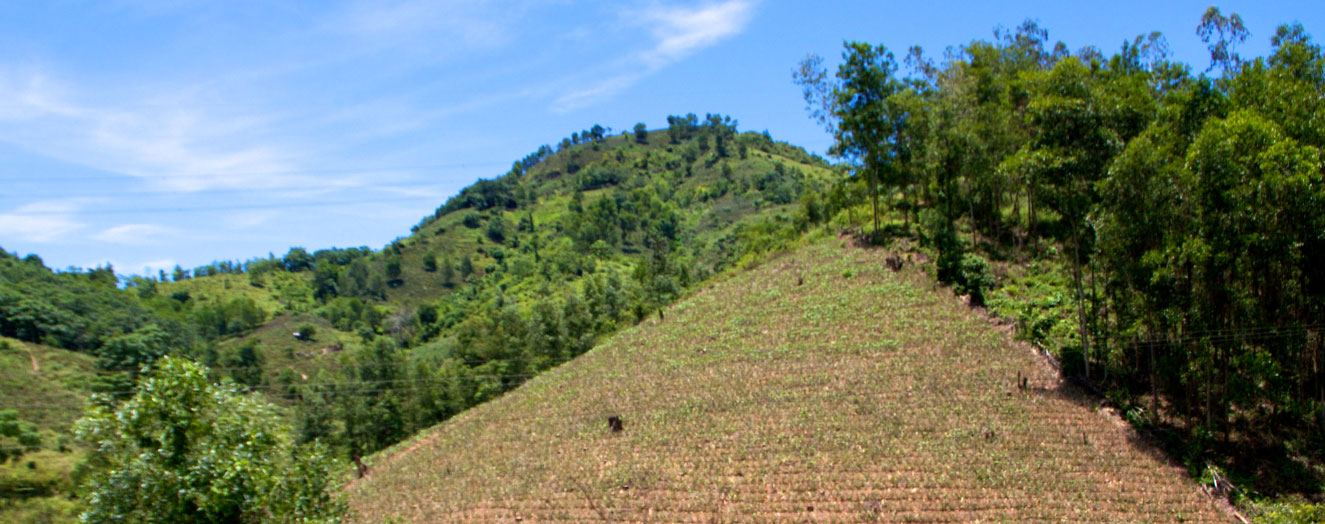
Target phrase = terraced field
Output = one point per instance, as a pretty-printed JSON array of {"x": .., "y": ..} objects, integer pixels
[{"x": 819, "y": 387}]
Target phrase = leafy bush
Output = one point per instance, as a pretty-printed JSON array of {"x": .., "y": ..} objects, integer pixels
[
  {"x": 186, "y": 450},
  {"x": 307, "y": 331},
  {"x": 16, "y": 436},
  {"x": 974, "y": 278},
  {"x": 497, "y": 229}
]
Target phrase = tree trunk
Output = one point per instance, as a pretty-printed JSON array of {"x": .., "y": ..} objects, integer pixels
[
  {"x": 1154, "y": 382},
  {"x": 1016, "y": 219},
  {"x": 970, "y": 206},
  {"x": 1081, "y": 301},
  {"x": 874, "y": 204},
  {"x": 1030, "y": 207},
  {"x": 1225, "y": 403},
  {"x": 1210, "y": 394},
  {"x": 1097, "y": 316}
]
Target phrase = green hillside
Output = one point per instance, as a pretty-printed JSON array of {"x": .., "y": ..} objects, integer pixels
[
  {"x": 44, "y": 390},
  {"x": 509, "y": 278},
  {"x": 819, "y": 386}
]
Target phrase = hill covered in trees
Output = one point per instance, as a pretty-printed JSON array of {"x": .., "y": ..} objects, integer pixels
[{"x": 511, "y": 277}]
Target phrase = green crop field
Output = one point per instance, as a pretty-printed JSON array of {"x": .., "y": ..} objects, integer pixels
[{"x": 819, "y": 386}]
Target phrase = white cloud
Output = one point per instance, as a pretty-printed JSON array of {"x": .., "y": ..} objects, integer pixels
[
  {"x": 44, "y": 222},
  {"x": 681, "y": 31},
  {"x": 603, "y": 88},
  {"x": 133, "y": 234},
  {"x": 677, "y": 32}
]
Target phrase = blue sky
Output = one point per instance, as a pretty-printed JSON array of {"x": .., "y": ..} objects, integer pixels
[{"x": 152, "y": 133}]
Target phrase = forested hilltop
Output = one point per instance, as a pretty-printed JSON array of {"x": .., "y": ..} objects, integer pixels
[
  {"x": 360, "y": 348},
  {"x": 1159, "y": 229}
]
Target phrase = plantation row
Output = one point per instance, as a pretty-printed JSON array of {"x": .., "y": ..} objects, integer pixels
[{"x": 727, "y": 414}]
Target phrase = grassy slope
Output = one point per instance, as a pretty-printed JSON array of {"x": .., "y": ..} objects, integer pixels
[
  {"x": 50, "y": 396},
  {"x": 43, "y": 381},
  {"x": 280, "y": 291},
  {"x": 860, "y": 395}
]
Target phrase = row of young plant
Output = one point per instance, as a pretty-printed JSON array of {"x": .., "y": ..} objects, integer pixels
[{"x": 1162, "y": 229}]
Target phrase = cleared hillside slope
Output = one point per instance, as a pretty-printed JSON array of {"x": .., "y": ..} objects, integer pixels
[{"x": 859, "y": 395}]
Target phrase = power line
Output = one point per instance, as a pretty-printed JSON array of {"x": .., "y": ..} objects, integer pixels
[
  {"x": 260, "y": 190},
  {"x": 373, "y": 365},
  {"x": 308, "y": 385},
  {"x": 183, "y": 209},
  {"x": 360, "y": 170},
  {"x": 1231, "y": 335}
]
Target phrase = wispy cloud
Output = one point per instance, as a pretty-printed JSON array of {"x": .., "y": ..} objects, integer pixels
[
  {"x": 133, "y": 234},
  {"x": 169, "y": 142},
  {"x": 677, "y": 31},
  {"x": 603, "y": 88},
  {"x": 45, "y": 221},
  {"x": 449, "y": 26},
  {"x": 680, "y": 31}
]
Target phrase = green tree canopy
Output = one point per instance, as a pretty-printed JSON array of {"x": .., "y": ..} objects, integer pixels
[{"x": 186, "y": 450}]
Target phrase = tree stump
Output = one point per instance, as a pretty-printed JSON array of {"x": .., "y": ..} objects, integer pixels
[{"x": 894, "y": 263}]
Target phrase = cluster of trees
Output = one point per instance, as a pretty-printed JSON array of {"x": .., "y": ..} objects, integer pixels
[
  {"x": 86, "y": 312},
  {"x": 592, "y": 135},
  {"x": 1188, "y": 209},
  {"x": 344, "y": 272},
  {"x": 497, "y": 345},
  {"x": 721, "y": 128}
]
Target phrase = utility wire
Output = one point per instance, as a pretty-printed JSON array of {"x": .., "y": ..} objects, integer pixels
[
  {"x": 311, "y": 385},
  {"x": 1228, "y": 335},
  {"x": 231, "y": 207},
  {"x": 168, "y": 176},
  {"x": 372, "y": 365}
]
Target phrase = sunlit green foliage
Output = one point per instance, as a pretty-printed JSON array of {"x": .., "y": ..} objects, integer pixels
[
  {"x": 186, "y": 450},
  {"x": 1179, "y": 217}
]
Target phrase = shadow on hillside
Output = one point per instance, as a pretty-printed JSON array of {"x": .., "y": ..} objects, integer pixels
[{"x": 1271, "y": 464}]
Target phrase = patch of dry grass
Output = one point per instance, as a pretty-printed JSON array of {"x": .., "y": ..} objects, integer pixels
[{"x": 859, "y": 395}]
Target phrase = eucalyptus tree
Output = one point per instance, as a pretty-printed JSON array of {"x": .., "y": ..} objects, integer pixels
[{"x": 867, "y": 128}]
